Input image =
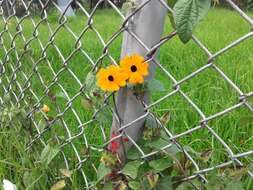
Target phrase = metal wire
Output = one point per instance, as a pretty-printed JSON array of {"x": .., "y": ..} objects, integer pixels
[{"x": 17, "y": 81}]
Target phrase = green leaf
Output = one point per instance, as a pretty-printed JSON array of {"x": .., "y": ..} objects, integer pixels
[
  {"x": 150, "y": 122},
  {"x": 165, "y": 183},
  {"x": 102, "y": 171},
  {"x": 135, "y": 185},
  {"x": 131, "y": 169},
  {"x": 161, "y": 143},
  {"x": 184, "y": 186},
  {"x": 155, "y": 85},
  {"x": 187, "y": 14},
  {"x": 48, "y": 154},
  {"x": 104, "y": 116},
  {"x": 133, "y": 153},
  {"x": 144, "y": 169},
  {"x": 165, "y": 136},
  {"x": 145, "y": 184},
  {"x": 158, "y": 144},
  {"x": 223, "y": 182},
  {"x": 160, "y": 164},
  {"x": 171, "y": 3}
]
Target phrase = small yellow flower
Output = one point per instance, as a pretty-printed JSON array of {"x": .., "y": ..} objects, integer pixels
[
  {"x": 135, "y": 67},
  {"x": 111, "y": 79},
  {"x": 45, "y": 108}
]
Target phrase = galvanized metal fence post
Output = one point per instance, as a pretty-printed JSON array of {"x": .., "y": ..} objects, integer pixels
[{"x": 147, "y": 26}]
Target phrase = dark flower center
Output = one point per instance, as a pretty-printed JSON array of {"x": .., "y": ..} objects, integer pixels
[
  {"x": 133, "y": 68},
  {"x": 110, "y": 78}
]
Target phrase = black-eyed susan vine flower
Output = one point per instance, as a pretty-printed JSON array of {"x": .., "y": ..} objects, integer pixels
[
  {"x": 111, "y": 79},
  {"x": 132, "y": 69},
  {"x": 135, "y": 67},
  {"x": 45, "y": 108}
]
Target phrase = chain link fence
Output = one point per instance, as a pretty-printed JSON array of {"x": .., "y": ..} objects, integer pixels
[{"x": 43, "y": 57}]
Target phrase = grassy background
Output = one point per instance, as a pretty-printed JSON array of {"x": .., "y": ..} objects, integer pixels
[{"x": 208, "y": 89}]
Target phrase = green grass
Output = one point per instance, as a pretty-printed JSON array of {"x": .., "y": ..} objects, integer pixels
[{"x": 208, "y": 90}]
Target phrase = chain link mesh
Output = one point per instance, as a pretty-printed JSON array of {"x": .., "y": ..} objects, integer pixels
[{"x": 52, "y": 57}]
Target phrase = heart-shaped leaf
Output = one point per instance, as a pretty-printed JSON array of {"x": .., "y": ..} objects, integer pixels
[
  {"x": 131, "y": 169},
  {"x": 48, "y": 154},
  {"x": 187, "y": 14},
  {"x": 102, "y": 171},
  {"x": 160, "y": 164}
]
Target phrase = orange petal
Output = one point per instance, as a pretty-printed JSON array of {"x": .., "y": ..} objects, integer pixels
[
  {"x": 126, "y": 62},
  {"x": 101, "y": 72},
  {"x": 113, "y": 87},
  {"x": 102, "y": 84},
  {"x": 137, "y": 58},
  {"x": 136, "y": 79},
  {"x": 120, "y": 81},
  {"x": 113, "y": 69},
  {"x": 144, "y": 69}
]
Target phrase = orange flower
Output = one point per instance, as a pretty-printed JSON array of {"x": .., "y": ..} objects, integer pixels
[
  {"x": 45, "y": 108},
  {"x": 111, "y": 79},
  {"x": 135, "y": 67}
]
